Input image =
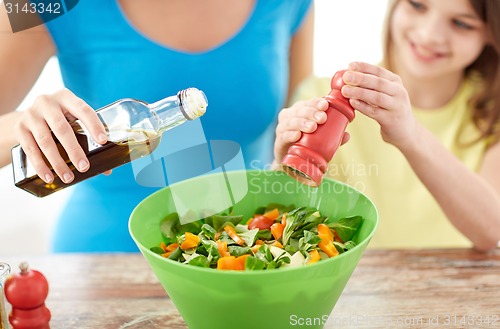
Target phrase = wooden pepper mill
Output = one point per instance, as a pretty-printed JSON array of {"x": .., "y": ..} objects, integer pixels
[
  {"x": 26, "y": 292},
  {"x": 307, "y": 160}
]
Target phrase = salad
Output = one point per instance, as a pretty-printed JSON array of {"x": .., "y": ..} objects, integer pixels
[{"x": 275, "y": 236}]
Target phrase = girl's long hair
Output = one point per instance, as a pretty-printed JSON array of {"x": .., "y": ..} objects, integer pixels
[{"x": 486, "y": 103}]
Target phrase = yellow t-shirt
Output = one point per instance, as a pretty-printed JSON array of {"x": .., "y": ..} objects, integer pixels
[{"x": 409, "y": 217}]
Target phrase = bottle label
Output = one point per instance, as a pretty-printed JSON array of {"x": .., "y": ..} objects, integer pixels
[
  {"x": 84, "y": 138},
  {"x": 92, "y": 145}
]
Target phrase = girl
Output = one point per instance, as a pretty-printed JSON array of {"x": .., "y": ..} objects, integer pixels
[{"x": 424, "y": 144}]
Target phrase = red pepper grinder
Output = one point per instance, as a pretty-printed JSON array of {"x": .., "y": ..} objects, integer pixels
[
  {"x": 26, "y": 292},
  {"x": 307, "y": 160}
]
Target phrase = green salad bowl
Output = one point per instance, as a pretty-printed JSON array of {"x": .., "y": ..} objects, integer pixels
[{"x": 281, "y": 298}]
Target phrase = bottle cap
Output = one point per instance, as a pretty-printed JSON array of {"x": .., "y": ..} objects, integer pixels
[{"x": 194, "y": 102}]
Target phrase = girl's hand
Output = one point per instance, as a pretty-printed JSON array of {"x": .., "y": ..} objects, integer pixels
[
  {"x": 302, "y": 117},
  {"x": 380, "y": 95},
  {"x": 52, "y": 113}
]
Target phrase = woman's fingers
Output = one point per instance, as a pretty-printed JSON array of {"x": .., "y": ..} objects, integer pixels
[
  {"x": 345, "y": 138},
  {"x": 48, "y": 118},
  {"x": 67, "y": 105},
  {"x": 303, "y": 116},
  {"x": 36, "y": 138},
  {"x": 34, "y": 155},
  {"x": 77, "y": 107}
]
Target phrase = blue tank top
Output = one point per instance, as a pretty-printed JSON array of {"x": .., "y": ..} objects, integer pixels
[{"x": 103, "y": 58}]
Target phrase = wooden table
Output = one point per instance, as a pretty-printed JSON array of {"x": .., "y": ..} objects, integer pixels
[{"x": 389, "y": 289}]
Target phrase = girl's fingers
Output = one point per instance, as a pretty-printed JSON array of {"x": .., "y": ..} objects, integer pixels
[
  {"x": 369, "y": 96},
  {"x": 373, "y": 70},
  {"x": 367, "y": 109},
  {"x": 368, "y": 81}
]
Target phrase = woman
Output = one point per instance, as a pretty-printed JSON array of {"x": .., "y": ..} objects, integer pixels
[{"x": 245, "y": 55}]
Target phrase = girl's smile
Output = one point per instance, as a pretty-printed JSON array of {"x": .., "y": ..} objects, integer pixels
[
  {"x": 424, "y": 53},
  {"x": 435, "y": 38}
]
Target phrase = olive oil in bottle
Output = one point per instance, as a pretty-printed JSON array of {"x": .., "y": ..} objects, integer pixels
[{"x": 134, "y": 130}]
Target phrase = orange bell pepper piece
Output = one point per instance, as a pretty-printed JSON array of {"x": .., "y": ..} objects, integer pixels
[
  {"x": 283, "y": 219},
  {"x": 314, "y": 256},
  {"x": 240, "y": 262},
  {"x": 326, "y": 243},
  {"x": 232, "y": 233},
  {"x": 190, "y": 241},
  {"x": 167, "y": 254},
  {"x": 256, "y": 248},
  {"x": 277, "y": 230},
  {"x": 277, "y": 244},
  {"x": 328, "y": 248},
  {"x": 232, "y": 263},
  {"x": 171, "y": 247},
  {"x": 272, "y": 214},
  {"x": 325, "y": 232},
  {"x": 222, "y": 248},
  {"x": 226, "y": 263}
]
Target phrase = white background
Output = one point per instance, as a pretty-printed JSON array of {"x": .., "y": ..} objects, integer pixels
[{"x": 345, "y": 31}]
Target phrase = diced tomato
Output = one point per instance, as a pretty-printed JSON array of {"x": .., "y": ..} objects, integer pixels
[
  {"x": 261, "y": 222},
  {"x": 337, "y": 237}
]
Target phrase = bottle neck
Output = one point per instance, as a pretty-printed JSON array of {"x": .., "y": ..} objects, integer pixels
[
  {"x": 188, "y": 104},
  {"x": 168, "y": 113}
]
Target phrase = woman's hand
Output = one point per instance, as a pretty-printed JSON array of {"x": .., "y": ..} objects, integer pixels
[
  {"x": 52, "y": 113},
  {"x": 380, "y": 95},
  {"x": 302, "y": 117}
]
